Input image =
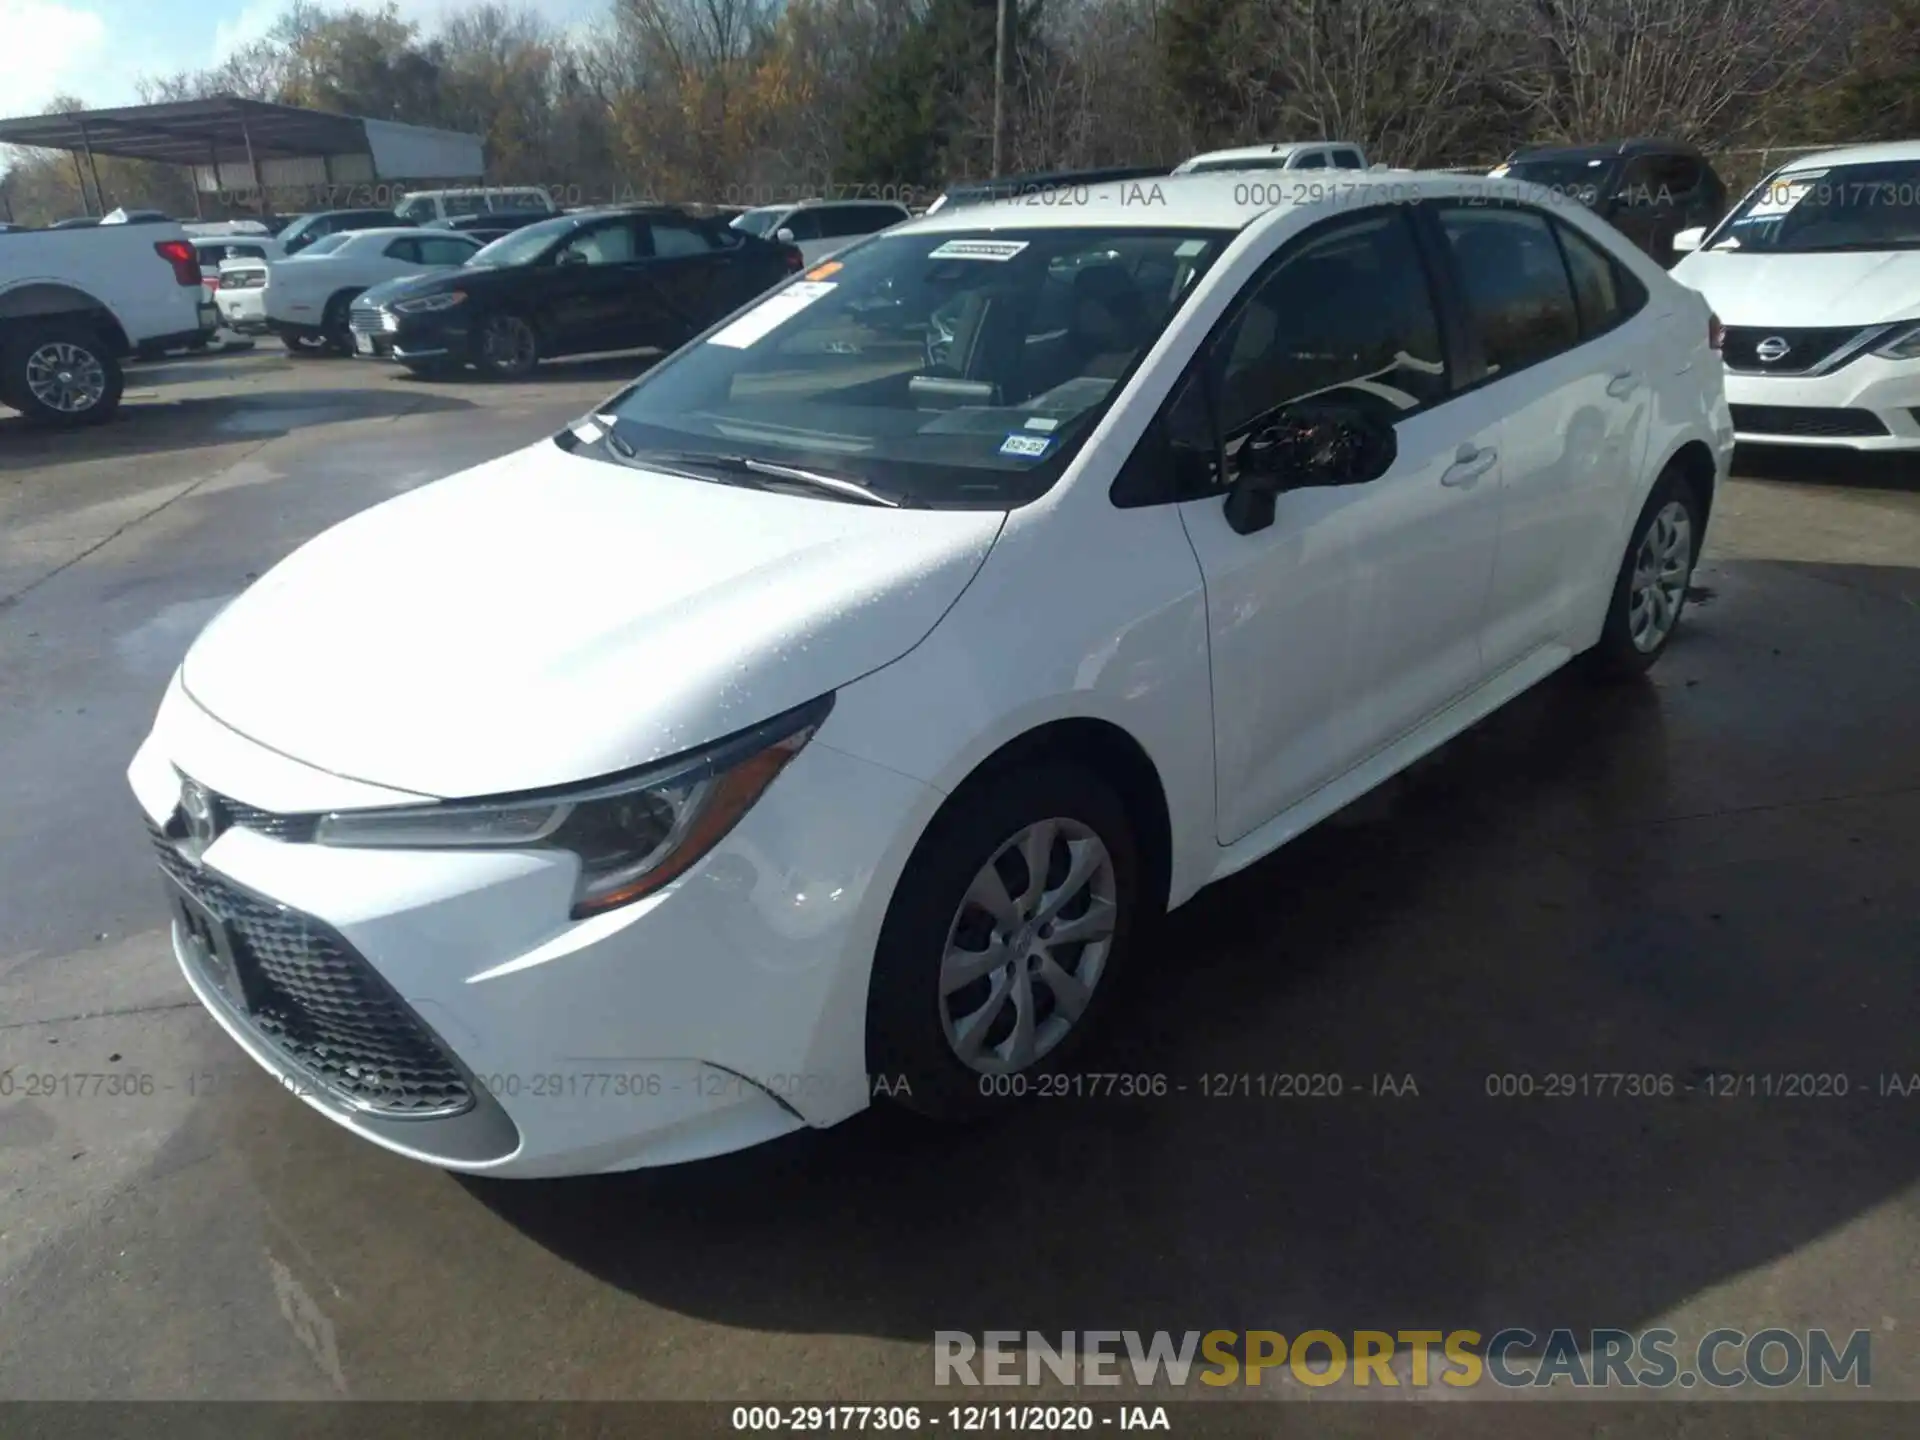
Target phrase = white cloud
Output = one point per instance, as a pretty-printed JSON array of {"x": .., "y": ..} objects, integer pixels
[
  {"x": 251, "y": 24},
  {"x": 49, "y": 48}
]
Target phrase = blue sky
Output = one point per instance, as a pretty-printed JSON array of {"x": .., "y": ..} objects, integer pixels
[{"x": 98, "y": 49}]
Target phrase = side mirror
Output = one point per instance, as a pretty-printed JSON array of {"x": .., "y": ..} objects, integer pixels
[
  {"x": 1307, "y": 447},
  {"x": 572, "y": 257},
  {"x": 1687, "y": 240},
  {"x": 784, "y": 235}
]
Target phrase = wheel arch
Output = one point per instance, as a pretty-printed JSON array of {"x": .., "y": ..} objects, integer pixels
[
  {"x": 1115, "y": 757},
  {"x": 1694, "y": 463},
  {"x": 46, "y": 300}
]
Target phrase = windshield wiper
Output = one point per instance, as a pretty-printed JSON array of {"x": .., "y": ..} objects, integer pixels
[{"x": 843, "y": 489}]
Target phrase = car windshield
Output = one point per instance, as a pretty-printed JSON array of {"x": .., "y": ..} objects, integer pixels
[
  {"x": 525, "y": 245},
  {"x": 1582, "y": 180},
  {"x": 1841, "y": 207},
  {"x": 758, "y": 222},
  {"x": 943, "y": 369}
]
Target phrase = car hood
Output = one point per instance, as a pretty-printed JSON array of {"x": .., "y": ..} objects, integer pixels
[
  {"x": 1851, "y": 287},
  {"x": 427, "y": 283},
  {"x": 548, "y": 618}
]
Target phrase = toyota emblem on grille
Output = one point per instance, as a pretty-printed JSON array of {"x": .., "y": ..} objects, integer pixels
[
  {"x": 197, "y": 805},
  {"x": 1774, "y": 347}
]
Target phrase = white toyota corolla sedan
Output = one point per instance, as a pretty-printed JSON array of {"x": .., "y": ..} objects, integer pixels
[
  {"x": 824, "y": 716},
  {"x": 1817, "y": 274}
]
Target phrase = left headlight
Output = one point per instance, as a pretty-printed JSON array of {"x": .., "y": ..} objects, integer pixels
[
  {"x": 632, "y": 834},
  {"x": 423, "y": 303},
  {"x": 1903, "y": 344}
]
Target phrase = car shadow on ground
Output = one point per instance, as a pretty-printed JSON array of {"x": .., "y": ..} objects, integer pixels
[
  {"x": 1569, "y": 889},
  {"x": 190, "y": 422}
]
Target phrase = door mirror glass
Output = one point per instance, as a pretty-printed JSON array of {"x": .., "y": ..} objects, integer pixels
[
  {"x": 1687, "y": 240},
  {"x": 1308, "y": 446}
]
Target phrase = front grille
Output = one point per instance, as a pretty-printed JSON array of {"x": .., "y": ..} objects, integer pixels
[
  {"x": 365, "y": 320},
  {"x": 1804, "y": 420},
  {"x": 321, "y": 1006},
  {"x": 1805, "y": 348}
]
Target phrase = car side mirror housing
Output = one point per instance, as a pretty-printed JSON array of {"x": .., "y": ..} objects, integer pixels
[
  {"x": 1307, "y": 447},
  {"x": 784, "y": 235},
  {"x": 1691, "y": 239}
]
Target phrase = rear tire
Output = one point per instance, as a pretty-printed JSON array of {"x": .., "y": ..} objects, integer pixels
[
  {"x": 303, "y": 344},
  {"x": 969, "y": 959},
  {"x": 1650, "y": 590},
  {"x": 60, "y": 375}
]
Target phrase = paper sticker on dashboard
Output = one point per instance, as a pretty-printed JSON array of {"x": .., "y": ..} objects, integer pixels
[
  {"x": 978, "y": 250},
  {"x": 771, "y": 313},
  {"x": 1027, "y": 447}
]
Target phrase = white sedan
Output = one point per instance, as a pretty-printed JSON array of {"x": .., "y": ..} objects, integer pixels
[
  {"x": 304, "y": 298},
  {"x": 825, "y": 715},
  {"x": 1817, "y": 274}
]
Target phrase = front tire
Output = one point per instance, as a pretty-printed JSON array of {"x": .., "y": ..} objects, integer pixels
[
  {"x": 508, "y": 347},
  {"x": 60, "y": 375},
  {"x": 335, "y": 327},
  {"x": 1004, "y": 941},
  {"x": 1650, "y": 590}
]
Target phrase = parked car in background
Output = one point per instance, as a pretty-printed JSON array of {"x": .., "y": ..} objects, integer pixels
[
  {"x": 821, "y": 227},
  {"x": 304, "y": 298},
  {"x": 572, "y": 285},
  {"x": 1281, "y": 155},
  {"x": 1037, "y": 183},
  {"x": 73, "y": 305},
  {"x": 427, "y": 207},
  {"x": 824, "y": 706},
  {"x": 1649, "y": 190},
  {"x": 214, "y": 251},
  {"x": 1816, "y": 273},
  {"x": 306, "y": 229},
  {"x": 491, "y": 226}
]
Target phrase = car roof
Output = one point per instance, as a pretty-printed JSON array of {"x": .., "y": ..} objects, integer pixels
[
  {"x": 1219, "y": 200},
  {"x": 1857, "y": 155},
  {"x": 400, "y": 232},
  {"x": 1277, "y": 147},
  {"x": 815, "y": 204},
  {"x": 1641, "y": 146}
]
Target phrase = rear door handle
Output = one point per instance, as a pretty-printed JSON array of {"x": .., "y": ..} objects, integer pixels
[
  {"x": 1469, "y": 464},
  {"x": 1621, "y": 385}
]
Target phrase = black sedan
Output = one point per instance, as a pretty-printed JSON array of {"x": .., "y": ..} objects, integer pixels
[{"x": 572, "y": 285}]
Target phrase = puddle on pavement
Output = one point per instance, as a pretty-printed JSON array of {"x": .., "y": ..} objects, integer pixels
[{"x": 157, "y": 643}]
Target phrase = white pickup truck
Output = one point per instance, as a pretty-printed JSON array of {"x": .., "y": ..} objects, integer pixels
[{"x": 75, "y": 303}]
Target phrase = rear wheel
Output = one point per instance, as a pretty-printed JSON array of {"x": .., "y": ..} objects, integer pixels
[
  {"x": 1000, "y": 949},
  {"x": 298, "y": 344},
  {"x": 60, "y": 375},
  {"x": 1650, "y": 590},
  {"x": 508, "y": 348}
]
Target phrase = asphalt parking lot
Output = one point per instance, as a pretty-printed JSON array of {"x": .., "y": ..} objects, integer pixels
[{"x": 1716, "y": 870}]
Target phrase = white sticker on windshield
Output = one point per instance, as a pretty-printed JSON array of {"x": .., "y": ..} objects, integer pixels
[
  {"x": 1028, "y": 447},
  {"x": 978, "y": 250},
  {"x": 1043, "y": 422},
  {"x": 1187, "y": 249},
  {"x": 771, "y": 313}
]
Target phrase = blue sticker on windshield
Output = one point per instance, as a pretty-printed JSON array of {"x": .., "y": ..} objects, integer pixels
[{"x": 1027, "y": 447}]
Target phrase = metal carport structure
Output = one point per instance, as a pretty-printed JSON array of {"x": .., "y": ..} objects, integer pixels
[{"x": 234, "y": 144}]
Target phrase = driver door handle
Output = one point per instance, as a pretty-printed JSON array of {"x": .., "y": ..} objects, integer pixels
[
  {"x": 1622, "y": 383},
  {"x": 1469, "y": 464}
]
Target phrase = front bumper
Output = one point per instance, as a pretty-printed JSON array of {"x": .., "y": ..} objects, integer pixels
[
  {"x": 1867, "y": 404},
  {"x": 412, "y": 338},
  {"x": 723, "y": 1011}
]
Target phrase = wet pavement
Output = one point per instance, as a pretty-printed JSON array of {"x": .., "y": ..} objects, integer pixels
[{"x": 1714, "y": 871}]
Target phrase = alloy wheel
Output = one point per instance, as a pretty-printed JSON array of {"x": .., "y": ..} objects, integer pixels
[
  {"x": 66, "y": 377},
  {"x": 509, "y": 343},
  {"x": 1661, "y": 568},
  {"x": 1027, "y": 946}
]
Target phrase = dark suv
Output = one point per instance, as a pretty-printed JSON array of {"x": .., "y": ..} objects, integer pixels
[
  {"x": 1650, "y": 190},
  {"x": 303, "y": 231}
]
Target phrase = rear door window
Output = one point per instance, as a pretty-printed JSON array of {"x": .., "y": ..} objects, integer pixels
[{"x": 1514, "y": 284}]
